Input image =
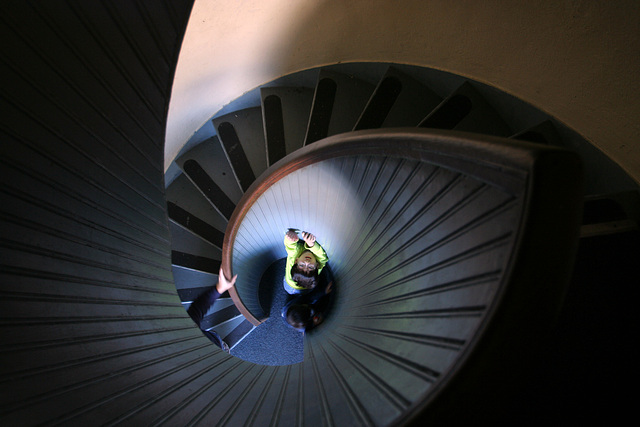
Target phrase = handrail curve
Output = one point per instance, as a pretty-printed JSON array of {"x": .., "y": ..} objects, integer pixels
[{"x": 500, "y": 162}]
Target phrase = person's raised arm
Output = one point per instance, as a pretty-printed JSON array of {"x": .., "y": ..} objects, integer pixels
[
  {"x": 225, "y": 284},
  {"x": 309, "y": 239},
  {"x": 291, "y": 236},
  {"x": 201, "y": 305},
  {"x": 291, "y": 242}
]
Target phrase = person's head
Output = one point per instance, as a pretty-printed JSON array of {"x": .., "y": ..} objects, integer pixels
[
  {"x": 305, "y": 270},
  {"x": 299, "y": 316},
  {"x": 307, "y": 262}
]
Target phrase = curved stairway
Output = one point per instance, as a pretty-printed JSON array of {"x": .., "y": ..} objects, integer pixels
[
  {"x": 224, "y": 158},
  {"x": 422, "y": 246},
  {"x": 92, "y": 330}
]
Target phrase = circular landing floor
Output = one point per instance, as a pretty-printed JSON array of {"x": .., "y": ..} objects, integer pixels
[{"x": 273, "y": 342}]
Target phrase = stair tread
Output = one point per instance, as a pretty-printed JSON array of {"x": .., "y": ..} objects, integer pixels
[
  {"x": 189, "y": 294},
  {"x": 224, "y": 328},
  {"x": 542, "y": 133},
  {"x": 218, "y": 315},
  {"x": 209, "y": 188},
  {"x": 238, "y": 333},
  {"x": 466, "y": 110},
  {"x": 344, "y": 103},
  {"x": 248, "y": 127},
  {"x": 295, "y": 105},
  {"x": 195, "y": 262},
  {"x": 405, "y": 102},
  {"x": 183, "y": 240},
  {"x": 610, "y": 214},
  {"x": 183, "y": 193},
  {"x": 211, "y": 157},
  {"x": 185, "y": 278},
  {"x": 194, "y": 225}
]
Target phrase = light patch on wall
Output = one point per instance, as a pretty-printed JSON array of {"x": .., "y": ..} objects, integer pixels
[{"x": 227, "y": 50}]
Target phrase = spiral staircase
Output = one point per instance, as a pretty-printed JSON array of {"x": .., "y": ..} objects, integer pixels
[
  {"x": 219, "y": 169},
  {"x": 416, "y": 187},
  {"x": 437, "y": 220}
]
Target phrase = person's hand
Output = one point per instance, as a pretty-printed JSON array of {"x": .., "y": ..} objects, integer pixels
[
  {"x": 292, "y": 236},
  {"x": 309, "y": 238},
  {"x": 223, "y": 283}
]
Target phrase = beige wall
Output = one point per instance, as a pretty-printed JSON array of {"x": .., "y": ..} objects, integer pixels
[{"x": 577, "y": 60}]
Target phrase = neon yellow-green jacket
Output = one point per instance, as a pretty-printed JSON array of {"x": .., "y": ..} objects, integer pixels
[{"x": 294, "y": 249}]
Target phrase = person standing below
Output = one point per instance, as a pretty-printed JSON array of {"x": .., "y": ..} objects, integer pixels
[
  {"x": 305, "y": 312},
  {"x": 305, "y": 261}
]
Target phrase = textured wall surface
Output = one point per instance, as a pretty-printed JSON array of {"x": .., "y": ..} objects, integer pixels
[{"x": 89, "y": 310}]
